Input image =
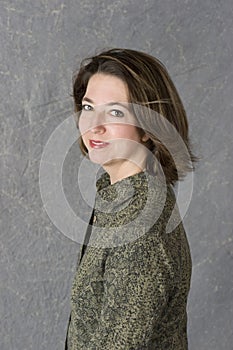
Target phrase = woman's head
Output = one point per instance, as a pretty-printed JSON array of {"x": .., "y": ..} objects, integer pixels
[
  {"x": 155, "y": 102},
  {"x": 108, "y": 127}
]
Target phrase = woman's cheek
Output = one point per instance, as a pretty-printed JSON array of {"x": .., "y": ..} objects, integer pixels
[
  {"x": 83, "y": 132},
  {"x": 85, "y": 140},
  {"x": 82, "y": 125}
]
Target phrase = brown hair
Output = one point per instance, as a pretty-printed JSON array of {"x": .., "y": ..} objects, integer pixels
[{"x": 149, "y": 86}]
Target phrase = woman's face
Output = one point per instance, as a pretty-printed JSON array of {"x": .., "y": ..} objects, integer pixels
[{"x": 107, "y": 126}]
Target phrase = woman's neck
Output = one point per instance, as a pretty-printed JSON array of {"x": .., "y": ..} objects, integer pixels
[{"x": 125, "y": 170}]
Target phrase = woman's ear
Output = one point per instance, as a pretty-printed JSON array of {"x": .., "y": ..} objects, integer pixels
[{"x": 145, "y": 138}]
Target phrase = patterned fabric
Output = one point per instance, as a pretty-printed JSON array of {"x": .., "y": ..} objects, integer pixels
[{"x": 131, "y": 285}]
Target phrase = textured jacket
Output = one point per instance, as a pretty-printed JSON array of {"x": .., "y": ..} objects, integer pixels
[{"x": 131, "y": 285}]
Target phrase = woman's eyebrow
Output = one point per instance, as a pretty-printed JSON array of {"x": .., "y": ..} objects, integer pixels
[
  {"x": 123, "y": 104},
  {"x": 87, "y": 99}
]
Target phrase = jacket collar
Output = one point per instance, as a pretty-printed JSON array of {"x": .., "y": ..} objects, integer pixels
[{"x": 110, "y": 191}]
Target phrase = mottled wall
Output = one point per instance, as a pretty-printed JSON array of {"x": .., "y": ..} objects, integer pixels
[{"x": 42, "y": 42}]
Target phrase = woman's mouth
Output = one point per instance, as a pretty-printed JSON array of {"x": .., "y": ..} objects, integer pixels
[{"x": 97, "y": 144}]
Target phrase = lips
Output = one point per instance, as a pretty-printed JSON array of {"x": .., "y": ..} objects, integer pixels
[{"x": 98, "y": 144}]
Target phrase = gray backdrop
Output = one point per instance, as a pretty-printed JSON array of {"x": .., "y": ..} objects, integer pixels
[{"x": 42, "y": 42}]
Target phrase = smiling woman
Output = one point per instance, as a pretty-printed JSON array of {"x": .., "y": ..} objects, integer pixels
[
  {"x": 108, "y": 130},
  {"x": 132, "y": 281}
]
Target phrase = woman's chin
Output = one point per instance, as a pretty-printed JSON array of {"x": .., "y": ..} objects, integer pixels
[
  {"x": 99, "y": 159},
  {"x": 105, "y": 161}
]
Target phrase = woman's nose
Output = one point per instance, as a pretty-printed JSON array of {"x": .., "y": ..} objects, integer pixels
[
  {"x": 98, "y": 129},
  {"x": 98, "y": 125},
  {"x": 93, "y": 121}
]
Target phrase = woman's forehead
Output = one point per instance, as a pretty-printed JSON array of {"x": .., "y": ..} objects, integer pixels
[{"x": 103, "y": 89}]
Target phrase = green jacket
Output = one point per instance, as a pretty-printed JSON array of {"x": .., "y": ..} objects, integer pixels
[{"x": 131, "y": 285}]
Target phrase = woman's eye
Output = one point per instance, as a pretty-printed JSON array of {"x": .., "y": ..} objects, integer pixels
[
  {"x": 117, "y": 113},
  {"x": 86, "y": 108}
]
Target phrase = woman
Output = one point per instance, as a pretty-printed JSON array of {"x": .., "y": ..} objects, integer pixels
[{"x": 133, "y": 277}]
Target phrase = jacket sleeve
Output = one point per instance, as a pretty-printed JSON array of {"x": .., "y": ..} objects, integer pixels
[{"x": 137, "y": 281}]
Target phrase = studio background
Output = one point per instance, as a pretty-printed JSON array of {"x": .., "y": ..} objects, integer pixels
[{"x": 42, "y": 43}]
